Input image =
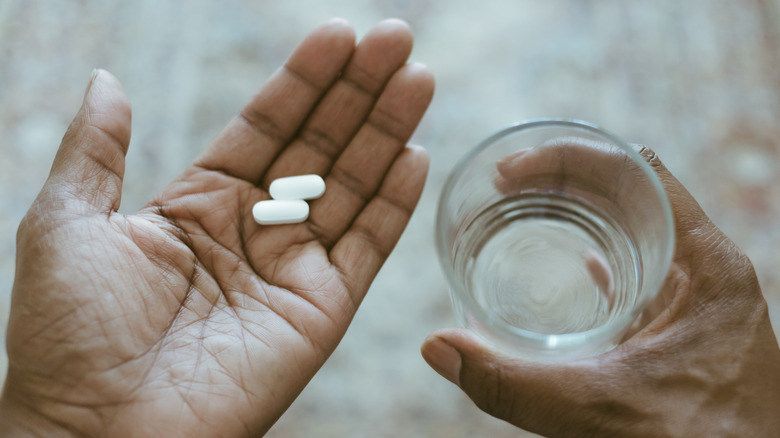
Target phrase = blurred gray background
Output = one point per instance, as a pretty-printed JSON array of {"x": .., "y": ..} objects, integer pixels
[{"x": 697, "y": 80}]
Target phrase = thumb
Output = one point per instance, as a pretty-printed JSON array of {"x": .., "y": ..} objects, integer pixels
[
  {"x": 493, "y": 381},
  {"x": 549, "y": 399},
  {"x": 90, "y": 163}
]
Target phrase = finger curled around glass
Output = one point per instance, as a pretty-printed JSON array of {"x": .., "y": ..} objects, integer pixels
[{"x": 574, "y": 165}]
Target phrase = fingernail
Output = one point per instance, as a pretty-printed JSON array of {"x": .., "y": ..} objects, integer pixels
[
  {"x": 512, "y": 158},
  {"x": 444, "y": 359},
  {"x": 95, "y": 73}
]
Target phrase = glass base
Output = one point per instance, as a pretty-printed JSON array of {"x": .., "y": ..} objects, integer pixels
[{"x": 542, "y": 267}]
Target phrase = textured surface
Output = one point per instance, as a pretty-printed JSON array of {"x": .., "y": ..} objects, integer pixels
[{"x": 697, "y": 80}]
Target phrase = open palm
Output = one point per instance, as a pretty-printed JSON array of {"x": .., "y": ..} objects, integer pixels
[{"x": 188, "y": 318}]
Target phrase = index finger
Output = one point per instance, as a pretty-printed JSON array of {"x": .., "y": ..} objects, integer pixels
[{"x": 565, "y": 162}]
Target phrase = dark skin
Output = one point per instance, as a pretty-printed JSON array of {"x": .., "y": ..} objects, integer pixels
[
  {"x": 706, "y": 363},
  {"x": 187, "y": 318}
]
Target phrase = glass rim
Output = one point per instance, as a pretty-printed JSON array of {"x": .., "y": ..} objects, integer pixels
[{"x": 526, "y": 338}]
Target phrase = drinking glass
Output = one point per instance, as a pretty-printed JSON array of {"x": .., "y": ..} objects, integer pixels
[{"x": 554, "y": 236}]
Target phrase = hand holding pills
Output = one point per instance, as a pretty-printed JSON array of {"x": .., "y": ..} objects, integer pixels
[{"x": 189, "y": 318}]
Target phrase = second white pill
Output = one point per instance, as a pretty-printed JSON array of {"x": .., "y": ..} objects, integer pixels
[
  {"x": 276, "y": 212},
  {"x": 297, "y": 187}
]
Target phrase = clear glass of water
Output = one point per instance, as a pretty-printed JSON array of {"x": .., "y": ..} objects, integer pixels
[{"x": 554, "y": 236}]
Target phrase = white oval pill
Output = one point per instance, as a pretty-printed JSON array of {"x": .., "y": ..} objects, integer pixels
[
  {"x": 297, "y": 187},
  {"x": 274, "y": 212}
]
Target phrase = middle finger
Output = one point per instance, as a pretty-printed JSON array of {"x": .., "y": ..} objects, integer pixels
[{"x": 347, "y": 104}]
